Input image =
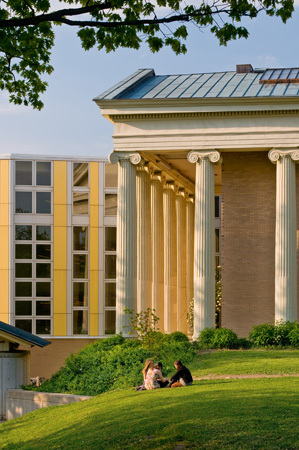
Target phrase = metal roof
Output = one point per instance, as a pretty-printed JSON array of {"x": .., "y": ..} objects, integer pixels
[
  {"x": 15, "y": 334},
  {"x": 145, "y": 84}
]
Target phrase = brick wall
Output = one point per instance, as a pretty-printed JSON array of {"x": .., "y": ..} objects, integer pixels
[
  {"x": 44, "y": 362},
  {"x": 248, "y": 240}
]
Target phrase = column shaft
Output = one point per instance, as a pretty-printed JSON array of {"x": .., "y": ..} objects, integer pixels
[
  {"x": 157, "y": 249},
  {"x": 190, "y": 255},
  {"x": 285, "y": 241},
  {"x": 170, "y": 262},
  {"x": 181, "y": 263},
  {"x": 126, "y": 244},
  {"x": 144, "y": 277}
]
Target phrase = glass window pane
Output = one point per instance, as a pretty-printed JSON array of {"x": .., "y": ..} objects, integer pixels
[
  {"x": 110, "y": 266},
  {"x": 23, "y": 270},
  {"x": 217, "y": 206},
  {"x": 24, "y": 324},
  {"x": 43, "y": 326},
  {"x": 23, "y": 308},
  {"x": 43, "y": 251},
  {"x": 43, "y": 203},
  {"x": 43, "y": 233},
  {"x": 111, "y": 172},
  {"x": 80, "y": 238},
  {"x": 23, "y": 202},
  {"x": 43, "y": 270},
  {"x": 24, "y": 173},
  {"x": 80, "y": 269},
  {"x": 110, "y": 294},
  {"x": 43, "y": 308},
  {"x": 80, "y": 175},
  {"x": 110, "y": 239},
  {"x": 23, "y": 232},
  {"x": 23, "y": 251},
  {"x": 23, "y": 289},
  {"x": 109, "y": 322},
  {"x": 80, "y": 322},
  {"x": 110, "y": 204},
  {"x": 43, "y": 289},
  {"x": 80, "y": 203},
  {"x": 43, "y": 173},
  {"x": 217, "y": 234},
  {"x": 80, "y": 294}
]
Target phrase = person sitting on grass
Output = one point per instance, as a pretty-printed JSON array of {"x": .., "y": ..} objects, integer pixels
[
  {"x": 151, "y": 375},
  {"x": 182, "y": 377},
  {"x": 162, "y": 384}
]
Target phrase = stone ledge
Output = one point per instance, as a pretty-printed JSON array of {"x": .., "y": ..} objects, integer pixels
[{"x": 20, "y": 402}]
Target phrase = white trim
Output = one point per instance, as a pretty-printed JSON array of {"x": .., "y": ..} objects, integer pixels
[{"x": 45, "y": 157}]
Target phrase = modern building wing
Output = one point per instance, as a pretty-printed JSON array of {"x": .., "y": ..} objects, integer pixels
[{"x": 178, "y": 141}]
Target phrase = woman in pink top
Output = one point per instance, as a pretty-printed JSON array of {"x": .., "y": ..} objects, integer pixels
[{"x": 151, "y": 375}]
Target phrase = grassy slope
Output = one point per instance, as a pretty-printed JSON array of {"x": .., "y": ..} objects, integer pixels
[
  {"x": 230, "y": 414},
  {"x": 247, "y": 362}
]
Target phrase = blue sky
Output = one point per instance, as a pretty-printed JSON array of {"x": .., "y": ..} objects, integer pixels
[{"x": 71, "y": 123}]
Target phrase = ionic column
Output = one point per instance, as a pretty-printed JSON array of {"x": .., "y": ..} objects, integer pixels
[
  {"x": 157, "y": 246},
  {"x": 126, "y": 256},
  {"x": 181, "y": 261},
  {"x": 170, "y": 261},
  {"x": 190, "y": 252},
  {"x": 285, "y": 234},
  {"x": 144, "y": 259},
  {"x": 204, "y": 240}
]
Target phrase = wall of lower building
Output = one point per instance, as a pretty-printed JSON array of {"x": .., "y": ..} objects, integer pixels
[
  {"x": 248, "y": 240},
  {"x": 44, "y": 362},
  {"x": 4, "y": 240}
]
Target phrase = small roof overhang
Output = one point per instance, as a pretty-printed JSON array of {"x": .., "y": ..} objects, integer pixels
[{"x": 18, "y": 336}]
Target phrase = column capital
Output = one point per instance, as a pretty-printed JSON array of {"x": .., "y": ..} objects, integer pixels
[
  {"x": 212, "y": 155},
  {"x": 135, "y": 158},
  {"x": 189, "y": 197},
  {"x": 276, "y": 153},
  {"x": 181, "y": 192},
  {"x": 144, "y": 166},
  {"x": 171, "y": 185},
  {"x": 158, "y": 175}
]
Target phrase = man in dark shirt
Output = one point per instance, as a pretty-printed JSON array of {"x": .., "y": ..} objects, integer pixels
[{"x": 182, "y": 377}]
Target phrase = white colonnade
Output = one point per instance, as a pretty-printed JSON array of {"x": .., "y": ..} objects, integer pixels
[{"x": 285, "y": 234}]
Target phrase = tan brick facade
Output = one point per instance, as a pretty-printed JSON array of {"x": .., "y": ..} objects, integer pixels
[
  {"x": 44, "y": 362},
  {"x": 248, "y": 240}
]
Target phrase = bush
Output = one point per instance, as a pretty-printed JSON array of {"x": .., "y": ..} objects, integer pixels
[
  {"x": 116, "y": 363},
  {"x": 281, "y": 334},
  {"x": 218, "y": 338},
  {"x": 294, "y": 335},
  {"x": 263, "y": 335}
]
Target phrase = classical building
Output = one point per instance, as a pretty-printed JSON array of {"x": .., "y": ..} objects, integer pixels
[
  {"x": 58, "y": 252},
  {"x": 178, "y": 141}
]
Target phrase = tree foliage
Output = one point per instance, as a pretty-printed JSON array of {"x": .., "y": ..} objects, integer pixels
[{"x": 27, "y": 31}]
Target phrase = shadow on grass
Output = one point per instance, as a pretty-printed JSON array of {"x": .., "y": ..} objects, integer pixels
[{"x": 233, "y": 414}]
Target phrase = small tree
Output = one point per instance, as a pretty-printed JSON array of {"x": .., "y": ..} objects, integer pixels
[{"x": 144, "y": 324}]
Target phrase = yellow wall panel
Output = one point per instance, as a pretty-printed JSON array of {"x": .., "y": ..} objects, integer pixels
[
  {"x": 60, "y": 182},
  {"x": 94, "y": 215},
  {"x": 60, "y": 249},
  {"x": 94, "y": 248},
  {"x": 4, "y": 181},
  {"x": 94, "y": 301},
  {"x": 4, "y": 240},
  {"x": 59, "y": 325},
  {"x": 60, "y": 215},
  {"x": 93, "y": 324},
  {"x": 4, "y": 247},
  {"x": 94, "y": 183}
]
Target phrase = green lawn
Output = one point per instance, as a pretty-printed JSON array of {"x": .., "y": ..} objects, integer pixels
[
  {"x": 230, "y": 414},
  {"x": 246, "y": 362}
]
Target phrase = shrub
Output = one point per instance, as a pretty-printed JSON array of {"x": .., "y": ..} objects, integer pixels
[
  {"x": 206, "y": 337},
  {"x": 218, "y": 338},
  {"x": 294, "y": 335},
  {"x": 263, "y": 335},
  {"x": 282, "y": 333},
  {"x": 176, "y": 336}
]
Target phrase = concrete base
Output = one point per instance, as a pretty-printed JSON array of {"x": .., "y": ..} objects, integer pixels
[{"x": 19, "y": 402}]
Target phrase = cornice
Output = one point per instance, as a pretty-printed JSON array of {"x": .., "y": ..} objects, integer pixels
[{"x": 202, "y": 114}]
